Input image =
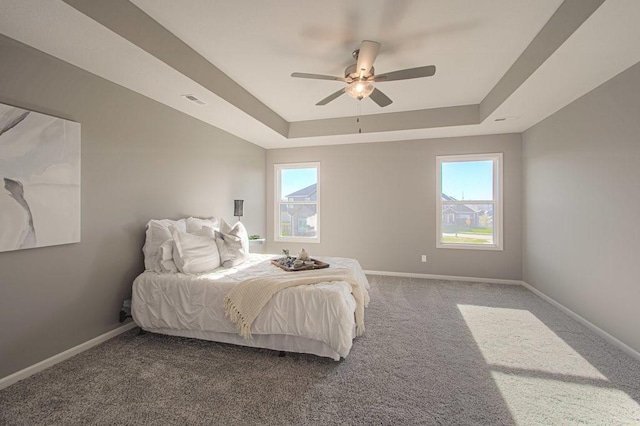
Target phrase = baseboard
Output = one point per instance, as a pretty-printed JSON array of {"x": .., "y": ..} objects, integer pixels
[
  {"x": 444, "y": 277},
  {"x": 627, "y": 349},
  {"x": 35, "y": 368}
]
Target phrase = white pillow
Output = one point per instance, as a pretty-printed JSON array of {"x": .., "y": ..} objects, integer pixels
[
  {"x": 230, "y": 248},
  {"x": 207, "y": 232},
  {"x": 165, "y": 257},
  {"x": 237, "y": 230},
  {"x": 194, "y": 254},
  {"x": 180, "y": 224},
  {"x": 195, "y": 224},
  {"x": 158, "y": 231}
]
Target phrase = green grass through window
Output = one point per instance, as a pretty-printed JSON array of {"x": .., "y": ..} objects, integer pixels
[{"x": 465, "y": 240}]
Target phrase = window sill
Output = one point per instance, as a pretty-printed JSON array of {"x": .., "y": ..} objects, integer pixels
[
  {"x": 469, "y": 247},
  {"x": 297, "y": 240}
]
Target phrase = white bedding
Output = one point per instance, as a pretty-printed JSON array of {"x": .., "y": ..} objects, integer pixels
[{"x": 192, "y": 305}]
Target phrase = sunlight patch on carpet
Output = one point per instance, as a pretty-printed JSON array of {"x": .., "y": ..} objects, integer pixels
[
  {"x": 539, "y": 374},
  {"x": 534, "y": 400},
  {"x": 515, "y": 338}
]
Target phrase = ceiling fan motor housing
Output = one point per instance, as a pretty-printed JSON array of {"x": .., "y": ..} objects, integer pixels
[{"x": 352, "y": 72}]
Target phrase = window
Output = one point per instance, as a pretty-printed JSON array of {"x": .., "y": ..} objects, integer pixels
[
  {"x": 297, "y": 202},
  {"x": 469, "y": 201}
]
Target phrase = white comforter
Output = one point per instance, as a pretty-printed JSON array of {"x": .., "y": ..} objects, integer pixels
[{"x": 323, "y": 312}]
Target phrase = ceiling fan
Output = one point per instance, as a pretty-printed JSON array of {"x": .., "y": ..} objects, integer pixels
[{"x": 360, "y": 77}]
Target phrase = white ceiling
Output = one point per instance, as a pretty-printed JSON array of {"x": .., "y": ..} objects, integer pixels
[{"x": 258, "y": 44}]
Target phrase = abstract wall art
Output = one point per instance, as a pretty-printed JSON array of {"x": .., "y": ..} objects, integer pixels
[{"x": 39, "y": 179}]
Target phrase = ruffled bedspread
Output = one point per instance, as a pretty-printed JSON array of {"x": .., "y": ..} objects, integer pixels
[{"x": 323, "y": 312}]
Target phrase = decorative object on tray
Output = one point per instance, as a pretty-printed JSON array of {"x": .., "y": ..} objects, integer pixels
[
  {"x": 303, "y": 255},
  {"x": 254, "y": 237},
  {"x": 291, "y": 264}
]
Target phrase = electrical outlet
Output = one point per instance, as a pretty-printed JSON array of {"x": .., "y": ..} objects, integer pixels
[{"x": 424, "y": 258}]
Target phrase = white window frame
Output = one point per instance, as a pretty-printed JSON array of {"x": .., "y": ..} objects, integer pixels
[
  {"x": 497, "y": 159},
  {"x": 278, "y": 201}
]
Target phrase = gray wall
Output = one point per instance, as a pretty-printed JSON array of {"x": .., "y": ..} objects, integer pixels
[
  {"x": 378, "y": 205},
  {"x": 140, "y": 160},
  {"x": 581, "y": 204}
]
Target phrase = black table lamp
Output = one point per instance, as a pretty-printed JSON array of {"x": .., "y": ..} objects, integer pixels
[{"x": 238, "y": 208}]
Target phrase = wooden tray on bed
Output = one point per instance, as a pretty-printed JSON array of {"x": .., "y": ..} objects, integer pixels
[{"x": 316, "y": 265}]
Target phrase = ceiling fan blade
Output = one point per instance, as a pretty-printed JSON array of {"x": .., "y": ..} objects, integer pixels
[
  {"x": 380, "y": 98},
  {"x": 418, "y": 72},
  {"x": 367, "y": 56},
  {"x": 317, "y": 76},
  {"x": 330, "y": 97}
]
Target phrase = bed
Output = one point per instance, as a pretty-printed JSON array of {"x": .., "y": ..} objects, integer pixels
[{"x": 317, "y": 319}]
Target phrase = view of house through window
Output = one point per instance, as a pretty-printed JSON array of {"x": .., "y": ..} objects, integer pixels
[
  {"x": 469, "y": 201},
  {"x": 297, "y": 202}
]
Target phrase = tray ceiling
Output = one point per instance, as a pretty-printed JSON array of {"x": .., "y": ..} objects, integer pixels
[{"x": 515, "y": 60}]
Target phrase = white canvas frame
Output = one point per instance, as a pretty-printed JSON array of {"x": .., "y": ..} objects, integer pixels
[{"x": 39, "y": 179}]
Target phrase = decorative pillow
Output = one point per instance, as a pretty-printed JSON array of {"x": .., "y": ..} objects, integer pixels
[
  {"x": 158, "y": 231},
  {"x": 165, "y": 257},
  {"x": 194, "y": 254},
  {"x": 237, "y": 230},
  {"x": 195, "y": 224},
  {"x": 207, "y": 232},
  {"x": 230, "y": 248}
]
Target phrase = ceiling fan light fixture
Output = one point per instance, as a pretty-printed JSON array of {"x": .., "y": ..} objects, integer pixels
[
  {"x": 360, "y": 77},
  {"x": 359, "y": 89}
]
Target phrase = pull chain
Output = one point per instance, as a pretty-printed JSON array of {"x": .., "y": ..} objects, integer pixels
[{"x": 358, "y": 117}]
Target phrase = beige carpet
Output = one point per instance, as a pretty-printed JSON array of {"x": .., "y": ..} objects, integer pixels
[{"x": 434, "y": 353}]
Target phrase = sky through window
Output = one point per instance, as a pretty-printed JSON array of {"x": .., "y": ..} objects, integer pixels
[{"x": 468, "y": 180}]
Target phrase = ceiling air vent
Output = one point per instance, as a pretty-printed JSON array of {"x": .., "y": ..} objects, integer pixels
[
  {"x": 193, "y": 98},
  {"x": 510, "y": 117}
]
